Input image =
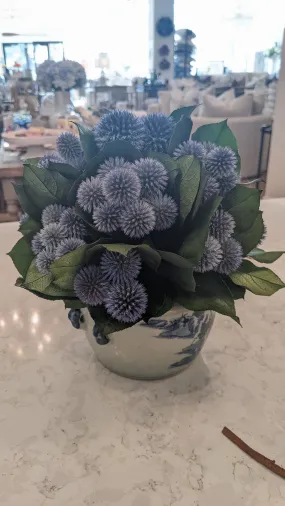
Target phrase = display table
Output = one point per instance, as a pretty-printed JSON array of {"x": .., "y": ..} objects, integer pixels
[{"x": 74, "y": 434}]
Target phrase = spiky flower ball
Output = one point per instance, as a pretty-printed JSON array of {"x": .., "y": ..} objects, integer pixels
[
  {"x": 111, "y": 164},
  {"x": 208, "y": 146},
  {"x": 212, "y": 256},
  {"x": 37, "y": 244},
  {"x": 48, "y": 158},
  {"x": 52, "y": 214},
  {"x": 44, "y": 259},
  {"x": 193, "y": 148},
  {"x": 232, "y": 257},
  {"x": 220, "y": 161},
  {"x": 119, "y": 268},
  {"x": 68, "y": 245},
  {"x": 120, "y": 125},
  {"x": 211, "y": 188},
  {"x": 52, "y": 235},
  {"x": 122, "y": 186},
  {"x": 90, "y": 194},
  {"x": 72, "y": 224},
  {"x": 138, "y": 219},
  {"x": 227, "y": 182},
  {"x": 69, "y": 147},
  {"x": 222, "y": 225},
  {"x": 165, "y": 210},
  {"x": 158, "y": 130},
  {"x": 106, "y": 218},
  {"x": 90, "y": 286},
  {"x": 126, "y": 302},
  {"x": 23, "y": 218},
  {"x": 152, "y": 175}
]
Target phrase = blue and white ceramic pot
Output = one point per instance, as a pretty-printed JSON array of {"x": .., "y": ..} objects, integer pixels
[{"x": 163, "y": 347}]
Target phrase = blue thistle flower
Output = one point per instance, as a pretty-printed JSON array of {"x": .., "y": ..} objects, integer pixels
[
  {"x": 232, "y": 257},
  {"x": 122, "y": 186},
  {"x": 52, "y": 235},
  {"x": 68, "y": 245},
  {"x": 111, "y": 164},
  {"x": 37, "y": 244},
  {"x": 69, "y": 148},
  {"x": 106, "y": 218},
  {"x": 220, "y": 161},
  {"x": 120, "y": 125},
  {"x": 126, "y": 302},
  {"x": 90, "y": 286},
  {"x": 23, "y": 218},
  {"x": 190, "y": 147},
  {"x": 211, "y": 188},
  {"x": 118, "y": 268},
  {"x": 227, "y": 182},
  {"x": 222, "y": 225},
  {"x": 52, "y": 214},
  {"x": 208, "y": 146},
  {"x": 152, "y": 175},
  {"x": 44, "y": 259},
  {"x": 211, "y": 257},
  {"x": 158, "y": 130},
  {"x": 90, "y": 194},
  {"x": 138, "y": 219},
  {"x": 52, "y": 157},
  {"x": 72, "y": 224},
  {"x": 165, "y": 210}
]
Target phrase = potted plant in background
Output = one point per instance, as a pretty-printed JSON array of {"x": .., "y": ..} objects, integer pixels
[{"x": 144, "y": 234}]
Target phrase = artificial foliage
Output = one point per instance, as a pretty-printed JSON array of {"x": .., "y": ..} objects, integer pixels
[{"x": 136, "y": 216}]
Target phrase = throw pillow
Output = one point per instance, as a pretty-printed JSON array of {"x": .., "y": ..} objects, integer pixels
[{"x": 215, "y": 108}]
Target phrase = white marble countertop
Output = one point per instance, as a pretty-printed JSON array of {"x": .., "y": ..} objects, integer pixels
[{"x": 73, "y": 434}]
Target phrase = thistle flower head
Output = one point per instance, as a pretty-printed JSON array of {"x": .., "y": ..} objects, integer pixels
[
  {"x": 227, "y": 182},
  {"x": 23, "y": 218},
  {"x": 118, "y": 268},
  {"x": 120, "y": 125},
  {"x": 222, "y": 225},
  {"x": 90, "y": 194},
  {"x": 37, "y": 244},
  {"x": 122, "y": 186},
  {"x": 211, "y": 188},
  {"x": 138, "y": 219},
  {"x": 231, "y": 257},
  {"x": 68, "y": 245},
  {"x": 220, "y": 161},
  {"x": 106, "y": 218},
  {"x": 69, "y": 147},
  {"x": 90, "y": 286},
  {"x": 190, "y": 147},
  {"x": 44, "y": 259},
  {"x": 208, "y": 146},
  {"x": 111, "y": 164},
  {"x": 52, "y": 214},
  {"x": 72, "y": 224},
  {"x": 52, "y": 235},
  {"x": 165, "y": 210},
  {"x": 152, "y": 175},
  {"x": 211, "y": 257},
  {"x": 158, "y": 130},
  {"x": 52, "y": 157},
  {"x": 126, "y": 302}
]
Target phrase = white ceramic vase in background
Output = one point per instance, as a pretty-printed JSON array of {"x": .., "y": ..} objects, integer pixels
[{"x": 163, "y": 347}]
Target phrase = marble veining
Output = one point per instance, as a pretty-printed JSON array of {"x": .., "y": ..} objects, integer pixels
[{"x": 74, "y": 434}]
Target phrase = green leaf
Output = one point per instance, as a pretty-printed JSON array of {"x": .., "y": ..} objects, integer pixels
[
  {"x": 26, "y": 202},
  {"x": 88, "y": 142},
  {"x": 158, "y": 306},
  {"x": 22, "y": 256},
  {"x": 200, "y": 193},
  {"x": 189, "y": 179},
  {"x": 265, "y": 257},
  {"x": 194, "y": 242},
  {"x": 243, "y": 204},
  {"x": 259, "y": 280},
  {"x": 104, "y": 323},
  {"x": 175, "y": 259},
  {"x": 111, "y": 150},
  {"x": 45, "y": 187},
  {"x": 35, "y": 280},
  {"x": 65, "y": 268},
  {"x": 148, "y": 255},
  {"x": 181, "y": 133},
  {"x": 73, "y": 304},
  {"x": 182, "y": 111},
  {"x": 237, "y": 292},
  {"x": 30, "y": 227},
  {"x": 183, "y": 277},
  {"x": 64, "y": 169},
  {"x": 251, "y": 237},
  {"x": 72, "y": 194},
  {"x": 211, "y": 294}
]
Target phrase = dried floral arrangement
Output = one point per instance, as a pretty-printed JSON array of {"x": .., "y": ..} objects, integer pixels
[
  {"x": 135, "y": 216},
  {"x": 60, "y": 76}
]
